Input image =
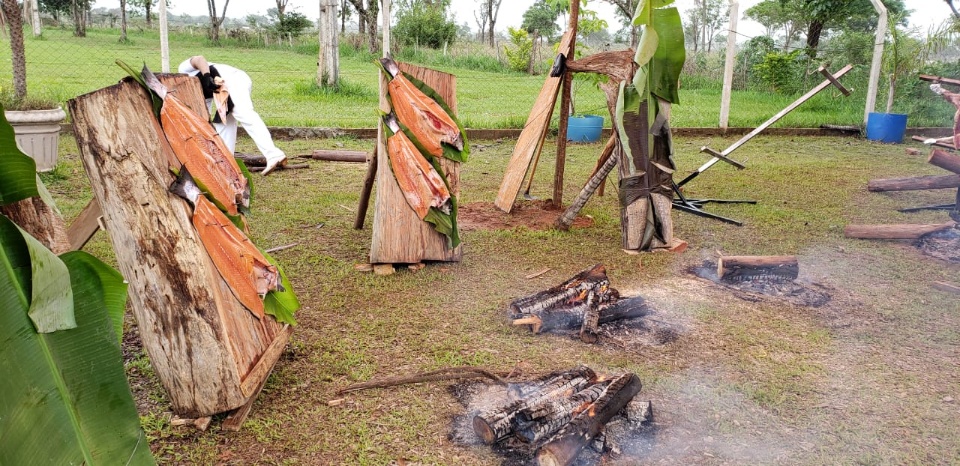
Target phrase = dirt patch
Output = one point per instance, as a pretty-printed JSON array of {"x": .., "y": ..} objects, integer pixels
[
  {"x": 534, "y": 215},
  {"x": 757, "y": 288},
  {"x": 943, "y": 245}
]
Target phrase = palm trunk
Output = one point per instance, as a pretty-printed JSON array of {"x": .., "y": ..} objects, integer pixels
[{"x": 12, "y": 11}]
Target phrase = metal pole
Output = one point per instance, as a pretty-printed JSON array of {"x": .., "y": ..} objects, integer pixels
[
  {"x": 877, "y": 59},
  {"x": 728, "y": 65}
]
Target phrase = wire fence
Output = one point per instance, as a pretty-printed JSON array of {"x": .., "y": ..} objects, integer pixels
[{"x": 283, "y": 68}]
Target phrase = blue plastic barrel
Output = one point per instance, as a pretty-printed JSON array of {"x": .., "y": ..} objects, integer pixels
[
  {"x": 584, "y": 128},
  {"x": 886, "y": 127}
]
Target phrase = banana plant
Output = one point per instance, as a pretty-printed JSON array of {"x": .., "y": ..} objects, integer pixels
[{"x": 64, "y": 396}]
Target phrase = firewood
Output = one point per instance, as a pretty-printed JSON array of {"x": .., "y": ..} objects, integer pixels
[
  {"x": 450, "y": 373},
  {"x": 497, "y": 423},
  {"x": 571, "y": 316},
  {"x": 901, "y": 231},
  {"x": 544, "y": 419},
  {"x": 946, "y": 142},
  {"x": 945, "y": 160},
  {"x": 585, "y": 280},
  {"x": 564, "y": 447},
  {"x": 289, "y": 166},
  {"x": 914, "y": 183},
  {"x": 591, "y": 317},
  {"x": 734, "y": 267},
  {"x": 333, "y": 155}
]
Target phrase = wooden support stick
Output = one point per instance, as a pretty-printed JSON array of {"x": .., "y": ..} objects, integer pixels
[
  {"x": 85, "y": 225},
  {"x": 563, "y": 223},
  {"x": 366, "y": 190},
  {"x": 449, "y": 373},
  {"x": 945, "y": 160},
  {"x": 731, "y": 267},
  {"x": 902, "y": 231},
  {"x": 914, "y": 183},
  {"x": 833, "y": 80},
  {"x": 565, "y": 110},
  {"x": 938, "y": 79},
  {"x": 939, "y": 143}
]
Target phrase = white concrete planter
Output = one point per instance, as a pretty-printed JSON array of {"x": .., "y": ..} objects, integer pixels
[{"x": 38, "y": 134}]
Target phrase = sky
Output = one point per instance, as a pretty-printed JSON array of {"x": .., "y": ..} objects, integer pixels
[{"x": 926, "y": 13}]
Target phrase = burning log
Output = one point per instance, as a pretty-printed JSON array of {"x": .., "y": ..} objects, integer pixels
[
  {"x": 564, "y": 447},
  {"x": 571, "y": 317},
  {"x": 593, "y": 278},
  {"x": 538, "y": 422},
  {"x": 732, "y": 268},
  {"x": 498, "y": 423},
  {"x": 945, "y": 160},
  {"x": 902, "y": 231},
  {"x": 591, "y": 318},
  {"x": 914, "y": 183}
]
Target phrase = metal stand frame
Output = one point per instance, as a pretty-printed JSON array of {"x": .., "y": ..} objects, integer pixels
[{"x": 695, "y": 206}]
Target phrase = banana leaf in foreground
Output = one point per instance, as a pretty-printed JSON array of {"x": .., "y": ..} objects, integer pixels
[{"x": 56, "y": 386}]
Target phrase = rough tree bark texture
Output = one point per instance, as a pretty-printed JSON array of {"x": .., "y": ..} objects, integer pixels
[
  {"x": 399, "y": 236},
  {"x": 41, "y": 221},
  {"x": 15, "y": 22},
  {"x": 208, "y": 351}
]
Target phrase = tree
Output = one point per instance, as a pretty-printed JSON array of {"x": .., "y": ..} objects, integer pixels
[
  {"x": 78, "y": 8},
  {"x": 55, "y": 7},
  {"x": 823, "y": 15},
  {"x": 424, "y": 23},
  {"x": 956, "y": 14},
  {"x": 705, "y": 19},
  {"x": 368, "y": 20},
  {"x": 289, "y": 23},
  {"x": 123, "y": 21},
  {"x": 18, "y": 59},
  {"x": 542, "y": 18},
  {"x": 146, "y": 6},
  {"x": 624, "y": 11},
  {"x": 490, "y": 9},
  {"x": 775, "y": 16},
  {"x": 216, "y": 21}
]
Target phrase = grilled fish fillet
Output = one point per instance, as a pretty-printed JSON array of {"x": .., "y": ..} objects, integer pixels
[
  {"x": 428, "y": 122},
  {"x": 422, "y": 186}
]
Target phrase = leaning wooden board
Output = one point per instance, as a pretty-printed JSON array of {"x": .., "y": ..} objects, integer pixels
[
  {"x": 209, "y": 352},
  {"x": 399, "y": 236},
  {"x": 531, "y": 137}
]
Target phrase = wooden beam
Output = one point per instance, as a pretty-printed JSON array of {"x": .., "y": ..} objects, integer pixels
[
  {"x": 902, "y": 231},
  {"x": 939, "y": 79},
  {"x": 565, "y": 110},
  {"x": 531, "y": 137},
  {"x": 914, "y": 183},
  {"x": 84, "y": 226}
]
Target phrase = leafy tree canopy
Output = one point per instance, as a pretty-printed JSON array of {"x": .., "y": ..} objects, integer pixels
[{"x": 541, "y": 17}]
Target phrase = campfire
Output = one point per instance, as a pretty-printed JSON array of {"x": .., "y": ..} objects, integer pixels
[
  {"x": 556, "y": 417},
  {"x": 774, "y": 276},
  {"x": 583, "y": 302}
]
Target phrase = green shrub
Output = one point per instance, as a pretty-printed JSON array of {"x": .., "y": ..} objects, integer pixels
[
  {"x": 780, "y": 71},
  {"x": 424, "y": 25},
  {"x": 518, "y": 56}
]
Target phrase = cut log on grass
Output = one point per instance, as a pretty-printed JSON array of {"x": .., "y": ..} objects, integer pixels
[
  {"x": 591, "y": 318},
  {"x": 591, "y": 278},
  {"x": 289, "y": 166},
  {"x": 564, "y": 447},
  {"x": 915, "y": 183},
  {"x": 945, "y": 160},
  {"x": 332, "y": 155},
  {"x": 948, "y": 287},
  {"x": 497, "y": 423},
  {"x": 899, "y": 231},
  {"x": 544, "y": 419},
  {"x": 731, "y": 268}
]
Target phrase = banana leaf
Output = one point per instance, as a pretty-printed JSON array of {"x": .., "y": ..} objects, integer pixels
[
  {"x": 667, "y": 61},
  {"x": 18, "y": 172},
  {"x": 281, "y": 304},
  {"x": 64, "y": 397}
]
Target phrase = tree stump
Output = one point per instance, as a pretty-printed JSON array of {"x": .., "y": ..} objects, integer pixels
[{"x": 209, "y": 352}]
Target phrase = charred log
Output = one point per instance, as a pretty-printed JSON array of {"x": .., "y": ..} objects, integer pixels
[
  {"x": 733, "y": 268},
  {"x": 564, "y": 447},
  {"x": 571, "y": 317},
  {"x": 546, "y": 418},
  {"x": 591, "y": 318},
  {"x": 497, "y": 423},
  {"x": 572, "y": 290}
]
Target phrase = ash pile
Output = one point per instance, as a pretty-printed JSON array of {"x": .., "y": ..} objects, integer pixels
[
  {"x": 774, "y": 276},
  {"x": 563, "y": 418},
  {"x": 943, "y": 244},
  {"x": 587, "y": 305}
]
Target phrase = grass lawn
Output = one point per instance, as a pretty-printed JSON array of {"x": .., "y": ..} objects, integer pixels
[
  {"x": 868, "y": 378},
  {"x": 62, "y": 66}
]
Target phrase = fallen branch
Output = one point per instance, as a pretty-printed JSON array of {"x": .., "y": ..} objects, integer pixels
[
  {"x": 450, "y": 373},
  {"x": 334, "y": 155},
  {"x": 281, "y": 248},
  {"x": 289, "y": 166}
]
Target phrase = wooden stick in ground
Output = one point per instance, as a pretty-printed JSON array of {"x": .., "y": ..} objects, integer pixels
[
  {"x": 945, "y": 160},
  {"x": 901, "y": 231},
  {"x": 450, "y": 373},
  {"x": 366, "y": 190},
  {"x": 914, "y": 183},
  {"x": 596, "y": 180},
  {"x": 497, "y": 423},
  {"x": 733, "y": 267},
  {"x": 564, "y": 447}
]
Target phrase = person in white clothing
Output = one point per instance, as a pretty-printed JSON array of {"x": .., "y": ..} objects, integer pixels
[{"x": 240, "y": 107}]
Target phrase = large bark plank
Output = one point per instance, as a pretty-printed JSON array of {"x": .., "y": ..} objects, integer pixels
[
  {"x": 201, "y": 341},
  {"x": 399, "y": 236}
]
